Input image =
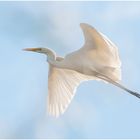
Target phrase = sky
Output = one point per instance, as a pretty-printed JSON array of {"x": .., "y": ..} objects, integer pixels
[{"x": 98, "y": 110}]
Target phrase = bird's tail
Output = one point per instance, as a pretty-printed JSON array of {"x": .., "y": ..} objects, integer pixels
[{"x": 105, "y": 78}]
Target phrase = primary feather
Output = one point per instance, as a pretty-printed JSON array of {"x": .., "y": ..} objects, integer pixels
[{"x": 62, "y": 84}]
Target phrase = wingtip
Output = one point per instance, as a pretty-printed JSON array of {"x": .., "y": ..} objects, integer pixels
[
  {"x": 86, "y": 26},
  {"x": 83, "y": 24}
]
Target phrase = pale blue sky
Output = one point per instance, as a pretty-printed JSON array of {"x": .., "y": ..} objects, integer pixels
[{"x": 98, "y": 110}]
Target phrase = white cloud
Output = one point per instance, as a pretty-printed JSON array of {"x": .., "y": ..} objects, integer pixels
[
  {"x": 66, "y": 21},
  {"x": 116, "y": 11},
  {"x": 77, "y": 119},
  {"x": 59, "y": 20}
]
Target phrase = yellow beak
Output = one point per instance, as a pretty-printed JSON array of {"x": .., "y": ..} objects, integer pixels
[{"x": 32, "y": 49}]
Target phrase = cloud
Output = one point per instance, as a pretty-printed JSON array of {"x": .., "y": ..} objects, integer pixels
[
  {"x": 116, "y": 11},
  {"x": 75, "y": 120},
  {"x": 59, "y": 22}
]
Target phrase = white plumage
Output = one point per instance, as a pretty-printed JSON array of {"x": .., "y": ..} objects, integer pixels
[{"x": 98, "y": 59}]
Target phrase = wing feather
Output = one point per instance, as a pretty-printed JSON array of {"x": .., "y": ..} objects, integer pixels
[
  {"x": 94, "y": 40},
  {"x": 62, "y": 84},
  {"x": 102, "y": 51}
]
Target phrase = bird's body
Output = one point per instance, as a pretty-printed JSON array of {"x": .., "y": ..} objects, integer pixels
[
  {"x": 98, "y": 54},
  {"x": 98, "y": 59}
]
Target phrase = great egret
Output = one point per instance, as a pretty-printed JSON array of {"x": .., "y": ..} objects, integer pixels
[{"x": 98, "y": 59}]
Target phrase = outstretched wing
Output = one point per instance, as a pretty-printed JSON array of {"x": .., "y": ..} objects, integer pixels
[
  {"x": 102, "y": 51},
  {"x": 62, "y": 84},
  {"x": 94, "y": 40}
]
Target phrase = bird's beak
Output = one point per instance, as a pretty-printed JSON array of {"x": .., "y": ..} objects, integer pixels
[{"x": 32, "y": 49}]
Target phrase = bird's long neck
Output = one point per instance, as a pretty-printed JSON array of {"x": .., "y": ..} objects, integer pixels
[
  {"x": 51, "y": 55},
  {"x": 51, "y": 58}
]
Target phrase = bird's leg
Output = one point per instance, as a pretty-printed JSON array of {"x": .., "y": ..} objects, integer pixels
[{"x": 103, "y": 77}]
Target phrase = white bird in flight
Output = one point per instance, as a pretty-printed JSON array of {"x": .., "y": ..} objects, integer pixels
[{"x": 98, "y": 59}]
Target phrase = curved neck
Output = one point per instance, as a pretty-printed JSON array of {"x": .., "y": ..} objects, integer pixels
[
  {"x": 53, "y": 60},
  {"x": 51, "y": 55}
]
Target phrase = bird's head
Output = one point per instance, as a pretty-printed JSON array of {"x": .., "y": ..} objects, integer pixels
[{"x": 46, "y": 51}]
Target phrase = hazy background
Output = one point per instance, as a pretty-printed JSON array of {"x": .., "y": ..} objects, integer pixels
[{"x": 98, "y": 110}]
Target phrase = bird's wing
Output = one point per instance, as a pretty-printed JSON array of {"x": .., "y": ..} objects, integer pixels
[
  {"x": 62, "y": 84},
  {"x": 96, "y": 41},
  {"x": 101, "y": 51}
]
